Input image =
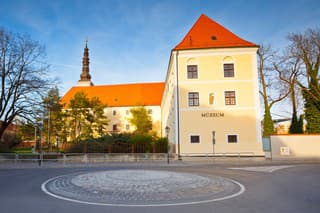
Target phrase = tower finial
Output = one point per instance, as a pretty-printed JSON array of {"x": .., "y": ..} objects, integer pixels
[{"x": 85, "y": 77}]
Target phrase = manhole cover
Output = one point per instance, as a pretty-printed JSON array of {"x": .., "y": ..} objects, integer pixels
[{"x": 141, "y": 188}]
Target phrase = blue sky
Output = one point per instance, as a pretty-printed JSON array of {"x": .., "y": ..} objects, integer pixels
[{"x": 131, "y": 40}]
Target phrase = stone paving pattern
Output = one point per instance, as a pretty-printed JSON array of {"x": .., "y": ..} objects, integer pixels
[{"x": 140, "y": 187}]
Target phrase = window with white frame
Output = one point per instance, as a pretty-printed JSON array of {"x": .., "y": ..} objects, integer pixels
[
  {"x": 232, "y": 138},
  {"x": 193, "y": 99},
  {"x": 230, "y": 97},
  {"x": 194, "y": 138},
  {"x": 114, "y": 112},
  {"x": 192, "y": 71},
  {"x": 228, "y": 70}
]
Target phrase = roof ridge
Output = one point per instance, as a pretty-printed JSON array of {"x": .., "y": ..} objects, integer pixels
[
  {"x": 207, "y": 33},
  {"x": 122, "y": 84}
]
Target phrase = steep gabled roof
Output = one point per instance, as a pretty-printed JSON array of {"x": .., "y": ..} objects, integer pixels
[
  {"x": 206, "y": 33},
  {"x": 121, "y": 95}
]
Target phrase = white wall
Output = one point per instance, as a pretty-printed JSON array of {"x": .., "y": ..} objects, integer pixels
[{"x": 295, "y": 146}]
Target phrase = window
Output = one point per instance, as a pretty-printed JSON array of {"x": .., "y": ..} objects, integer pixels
[
  {"x": 195, "y": 139},
  {"x": 228, "y": 70},
  {"x": 230, "y": 97},
  {"x": 192, "y": 71},
  {"x": 232, "y": 138},
  {"x": 114, "y": 112},
  {"x": 127, "y": 127},
  {"x": 149, "y": 111},
  {"x": 114, "y": 127},
  {"x": 193, "y": 98},
  {"x": 127, "y": 112},
  {"x": 211, "y": 98}
]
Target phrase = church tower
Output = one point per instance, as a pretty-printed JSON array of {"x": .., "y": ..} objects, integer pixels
[{"x": 85, "y": 77}]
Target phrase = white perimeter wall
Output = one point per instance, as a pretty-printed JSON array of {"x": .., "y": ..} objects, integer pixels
[{"x": 295, "y": 146}]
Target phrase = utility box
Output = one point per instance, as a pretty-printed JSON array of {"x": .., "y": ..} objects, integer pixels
[{"x": 284, "y": 150}]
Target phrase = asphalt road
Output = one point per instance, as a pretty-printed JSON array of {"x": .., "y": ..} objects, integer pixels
[{"x": 295, "y": 189}]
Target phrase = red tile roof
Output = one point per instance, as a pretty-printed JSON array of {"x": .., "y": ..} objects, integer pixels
[
  {"x": 146, "y": 94},
  {"x": 206, "y": 33}
]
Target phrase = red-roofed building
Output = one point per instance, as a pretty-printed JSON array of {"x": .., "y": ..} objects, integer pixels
[
  {"x": 211, "y": 99},
  {"x": 119, "y": 98},
  {"x": 209, "y": 102}
]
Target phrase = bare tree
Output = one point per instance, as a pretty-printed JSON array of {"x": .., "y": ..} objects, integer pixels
[
  {"x": 289, "y": 72},
  {"x": 271, "y": 89},
  {"x": 23, "y": 77},
  {"x": 306, "y": 47}
]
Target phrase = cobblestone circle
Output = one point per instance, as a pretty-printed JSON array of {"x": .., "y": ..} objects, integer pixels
[{"x": 140, "y": 187}]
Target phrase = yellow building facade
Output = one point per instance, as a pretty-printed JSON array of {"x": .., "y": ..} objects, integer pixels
[
  {"x": 209, "y": 102},
  {"x": 211, "y": 98}
]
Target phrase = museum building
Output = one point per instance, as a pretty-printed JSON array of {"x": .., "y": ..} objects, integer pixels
[{"x": 209, "y": 102}]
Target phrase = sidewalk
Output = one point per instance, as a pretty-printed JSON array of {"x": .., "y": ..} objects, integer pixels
[{"x": 185, "y": 162}]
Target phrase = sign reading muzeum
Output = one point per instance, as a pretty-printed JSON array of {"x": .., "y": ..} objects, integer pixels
[{"x": 212, "y": 114}]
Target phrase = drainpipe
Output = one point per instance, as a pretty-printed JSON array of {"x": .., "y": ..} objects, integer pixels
[{"x": 178, "y": 106}]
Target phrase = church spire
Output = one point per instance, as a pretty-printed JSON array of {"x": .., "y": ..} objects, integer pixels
[{"x": 85, "y": 77}]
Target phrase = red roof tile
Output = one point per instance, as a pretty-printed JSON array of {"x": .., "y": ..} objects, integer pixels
[
  {"x": 206, "y": 33},
  {"x": 146, "y": 94}
]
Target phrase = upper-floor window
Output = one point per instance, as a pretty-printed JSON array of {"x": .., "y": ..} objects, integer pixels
[
  {"x": 230, "y": 97},
  {"x": 228, "y": 70},
  {"x": 114, "y": 112},
  {"x": 127, "y": 112},
  {"x": 193, "y": 98},
  {"x": 192, "y": 71},
  {"x": 149, "y": 111}
]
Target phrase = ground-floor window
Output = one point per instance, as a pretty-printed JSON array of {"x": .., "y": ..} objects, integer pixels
[
  {"x": 232, "y": 138},
  {"x": 195, "y": 139},
  {"x": 114, "y": 127}
]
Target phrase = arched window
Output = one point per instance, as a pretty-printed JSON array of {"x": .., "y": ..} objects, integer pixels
[
  {"x": 211, "y": 98},
  {"x": 228, "y": 67}
]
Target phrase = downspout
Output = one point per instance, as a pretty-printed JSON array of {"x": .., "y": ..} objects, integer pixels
[{"x": 178, "y": 107}]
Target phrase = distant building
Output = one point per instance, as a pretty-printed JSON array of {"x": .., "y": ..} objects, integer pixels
[
  {"x": 282, "y": 126},
  {"x": 209, "y": 102},
  {"x": 120, "y": 99}
]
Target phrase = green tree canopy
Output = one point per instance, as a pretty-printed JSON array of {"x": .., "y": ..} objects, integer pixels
[
  {"x": 141, "y": 120},
  {"x": 85, "y": 117},
  {"x": 53, "y": 122}
]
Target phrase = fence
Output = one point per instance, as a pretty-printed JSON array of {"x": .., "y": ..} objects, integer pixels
[
  {"x": 98, "y": 147},
  {"x": 71, "y": 158}
]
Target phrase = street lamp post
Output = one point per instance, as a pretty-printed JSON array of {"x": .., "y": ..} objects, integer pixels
[
  {"x": 167, "y": 129},
  {"x": 57, "y": 142},
  {"x": 213, "y": 142},
  {"x": 40, "y": 144}
]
